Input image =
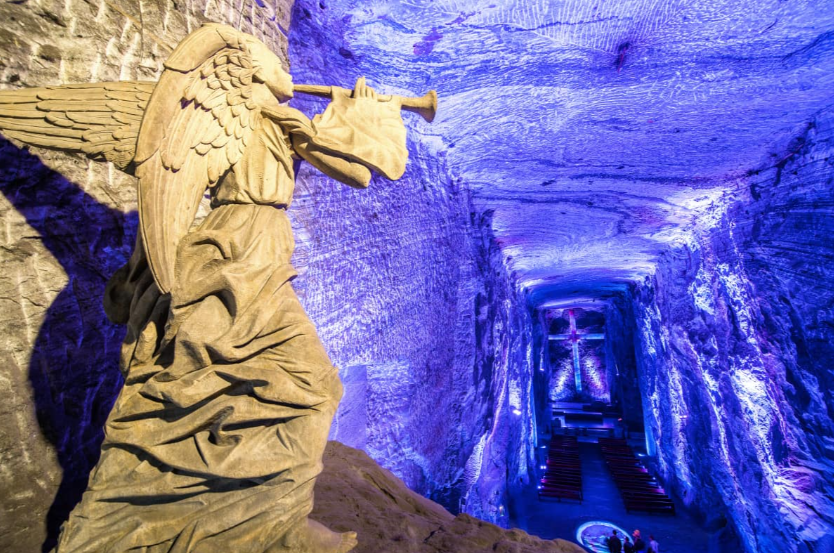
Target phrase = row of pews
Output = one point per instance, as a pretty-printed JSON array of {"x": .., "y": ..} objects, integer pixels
[
  {"x": 639, "y": 489},
  {"x": 586, "y": 431},
  {"x": 562, "y": 478}
]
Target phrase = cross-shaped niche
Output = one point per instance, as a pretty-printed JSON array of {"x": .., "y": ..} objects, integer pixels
[{"x": 577, "y": 351}]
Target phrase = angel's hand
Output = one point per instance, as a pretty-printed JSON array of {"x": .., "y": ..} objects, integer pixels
[
  {"x": 363, "y": 104},
  {"x": 363, "y": 127},
  {"x": 362, "y": 90}
]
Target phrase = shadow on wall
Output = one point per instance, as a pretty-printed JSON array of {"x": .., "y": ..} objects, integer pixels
[{"x": 74, "y": 363}]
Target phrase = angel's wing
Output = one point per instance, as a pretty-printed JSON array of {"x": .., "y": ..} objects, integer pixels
[
  {"x": 196, "y": 127},
  {"x": 101, "y": 120}
]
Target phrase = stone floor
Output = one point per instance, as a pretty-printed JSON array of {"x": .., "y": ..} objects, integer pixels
[{"x": 552, "y": 519}]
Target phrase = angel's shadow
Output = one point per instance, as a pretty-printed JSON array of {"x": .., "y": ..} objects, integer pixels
[{"x": 74, "y": 365}]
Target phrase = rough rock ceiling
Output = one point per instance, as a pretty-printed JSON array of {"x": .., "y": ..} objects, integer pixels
[{"x": 598, "y": 131}]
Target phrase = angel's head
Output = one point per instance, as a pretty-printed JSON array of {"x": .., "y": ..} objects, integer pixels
[
  {"x": 212, "y": 40},
  {"x": 269, "y": 71}
]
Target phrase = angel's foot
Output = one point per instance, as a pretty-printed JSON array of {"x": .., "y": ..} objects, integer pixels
[
  {"x": 314, "y": 537},
  {"x": 324, "y": 539}
]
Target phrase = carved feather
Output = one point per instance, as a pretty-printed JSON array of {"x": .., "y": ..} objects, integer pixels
[
  {"x": 200, "y": 103},
  {"x": 101, "y": 120},
  {"x": 179, "y": 136}
]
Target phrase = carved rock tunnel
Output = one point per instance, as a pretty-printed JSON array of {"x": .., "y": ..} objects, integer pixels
[{"x": 665, "y": 164}]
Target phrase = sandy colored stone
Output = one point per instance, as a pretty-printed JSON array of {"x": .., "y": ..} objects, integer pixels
[{"x": 353, "y": 491}]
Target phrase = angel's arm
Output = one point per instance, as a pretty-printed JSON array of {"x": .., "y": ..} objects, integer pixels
[
  {"x": 301, "y": 132},
  {"x": 351, "y": 173}
]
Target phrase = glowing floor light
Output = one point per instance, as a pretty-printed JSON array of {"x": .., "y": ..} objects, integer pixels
[{"x": 593, "y": 534}]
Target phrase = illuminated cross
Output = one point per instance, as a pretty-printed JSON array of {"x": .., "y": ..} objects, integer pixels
[{"x": 574, "y": 337}]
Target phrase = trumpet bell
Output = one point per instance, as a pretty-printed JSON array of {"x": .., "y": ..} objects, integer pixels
[{"x": 425, "y": 106}]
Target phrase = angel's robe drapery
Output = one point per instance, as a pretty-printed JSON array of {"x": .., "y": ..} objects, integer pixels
[{"x": 216, "y": 439}]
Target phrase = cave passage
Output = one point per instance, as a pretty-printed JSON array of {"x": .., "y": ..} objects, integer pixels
[
  {"x": 611, "y": 249},
  {"x": 591, "y": 464}
]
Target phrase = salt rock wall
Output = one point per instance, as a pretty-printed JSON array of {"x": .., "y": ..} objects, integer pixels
[
  {"x": 621, "y": 361},
  {"x": 736, "y": 357},
  {"x": 411, "y": 298},
  {"x": 68, "y": 224}
]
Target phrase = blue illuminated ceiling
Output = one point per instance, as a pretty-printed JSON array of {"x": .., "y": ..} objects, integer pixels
[{"x": 598, "y": 132}]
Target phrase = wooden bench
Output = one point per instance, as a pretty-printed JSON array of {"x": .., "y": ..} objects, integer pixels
[
  {"x": 636, "y": 473},
  {"x": 561, "y": 486},
  {"x": 561, "y": 493},
  {"x": 556, "y": 473},
  {"x": 651, "y": 506},
  {"x": 648, "y": 494},
  {"x": 556, "y": 467},
  {"x": 632, "y": 477},
  {"x": 638, "y": 485},
  {"x": 626, "y": 467},
  {"x": 562, "y": 483},
  {"x": 562, "y": 476}
]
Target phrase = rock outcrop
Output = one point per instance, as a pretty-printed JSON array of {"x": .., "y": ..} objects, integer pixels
[{"x": 355, "y": 493}]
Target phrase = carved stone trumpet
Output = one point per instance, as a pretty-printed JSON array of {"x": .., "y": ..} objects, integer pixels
[{"x": 425, "y": 106}]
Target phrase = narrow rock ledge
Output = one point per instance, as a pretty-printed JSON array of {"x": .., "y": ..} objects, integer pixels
[{"x": 355, "y": 493}]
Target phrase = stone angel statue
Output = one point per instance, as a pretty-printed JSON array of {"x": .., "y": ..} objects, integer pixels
[{"x": 215, "y": 441}]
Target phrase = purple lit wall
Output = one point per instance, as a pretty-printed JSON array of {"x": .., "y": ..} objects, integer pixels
[
  {"x": 620, "y": 330},
  {"x": 592, "y": 369},
  {"x": 594, "y": 372},
  {"x": 411, "y": 296},
  {"x": 736, "y": 353},
  {"x": 561, "y": 386}
]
